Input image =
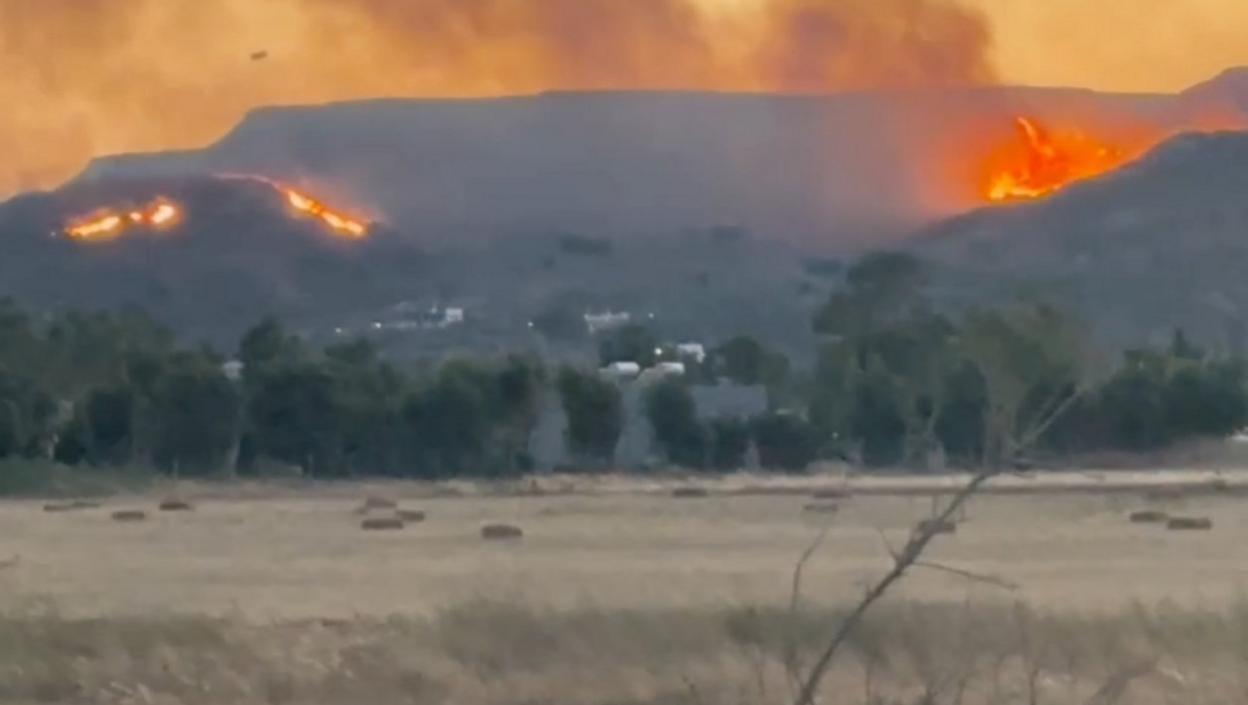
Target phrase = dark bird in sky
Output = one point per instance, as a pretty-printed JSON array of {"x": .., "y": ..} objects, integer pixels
[{"x": 259, "y": 55}]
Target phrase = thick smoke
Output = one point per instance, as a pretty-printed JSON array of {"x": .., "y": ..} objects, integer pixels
[{"x": 92, "y": 77}]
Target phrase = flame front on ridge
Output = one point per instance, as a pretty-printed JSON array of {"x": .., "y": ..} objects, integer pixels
[
  {"x": 1042, "y": 162},
  {"x": 109, "y": 223}
]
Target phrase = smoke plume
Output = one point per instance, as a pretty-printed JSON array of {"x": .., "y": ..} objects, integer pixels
[{"x": 92, "y": 77}]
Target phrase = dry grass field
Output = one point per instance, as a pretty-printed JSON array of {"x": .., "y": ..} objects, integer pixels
[{"x": 619, "y": 593}]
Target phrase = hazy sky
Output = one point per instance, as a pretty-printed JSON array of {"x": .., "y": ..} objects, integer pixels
[
  {"x": 80, "y": 78},
  {"x": 1124, "y": 45},
  {"x": 1131, "y": 45}
]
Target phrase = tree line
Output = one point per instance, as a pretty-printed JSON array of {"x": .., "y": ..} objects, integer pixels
[{"x": 898, "y": 382}]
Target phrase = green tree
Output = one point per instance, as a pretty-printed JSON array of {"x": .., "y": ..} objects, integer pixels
[
  {"x": 730, "y": 443},
  {"x": 267, "y": 343},
  {"x": 744, "y": 360},
  {"x": 595, "y": 412},
  {"x": 880, "y": 289},
  {"x": 370, "y": 394},
  {"x": 451, "y": 423},
  {"x": 673, "y": 416},
  {"x": 1019, "y": 352},
  {"x": 883, "y": 373},
  {"x": 520, "y": 382},
  {"x": 785, "y": 441},
  {"x": 1207, "y": 400},
  {"x": 1133, "y": 405},
  {"x": 199, "y": 413},
  {"x": 108, "y": 417},
  {"x": 294, "y": 416},
  {"x": 12, "y": 435},
  {"x": 878, "y": 418}
]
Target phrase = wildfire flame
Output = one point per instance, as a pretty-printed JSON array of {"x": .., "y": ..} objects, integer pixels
[
  {"x": 339, "y": 223},
  {"x": 1043, "y": 162},
  {"x": 109, "y": 224}
]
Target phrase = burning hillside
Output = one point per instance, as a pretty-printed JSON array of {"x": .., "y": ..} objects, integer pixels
[
  {"x": 1042, "y": 161},
  {"x": 206, "y": 254},
  {"x": 111, "y": 222},
  {"x": 1142, "y": 251},
  {"x": 338, "y": 222}
]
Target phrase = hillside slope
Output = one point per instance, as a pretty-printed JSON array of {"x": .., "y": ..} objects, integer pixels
[
  {"x": 838, "y": 172},
  {"x": 1160, "y": 244}
]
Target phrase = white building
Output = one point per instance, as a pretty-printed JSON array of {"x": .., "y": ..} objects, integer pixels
[{"x": 610, "y": 320}]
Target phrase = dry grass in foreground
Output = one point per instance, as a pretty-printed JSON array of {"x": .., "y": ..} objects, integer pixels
[{"x": 506, "y": 654}]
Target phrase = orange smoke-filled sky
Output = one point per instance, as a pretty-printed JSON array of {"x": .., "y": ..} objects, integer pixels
[
  {"x": 80, "y": 78},
  {"x": 1112, "y": 45}
]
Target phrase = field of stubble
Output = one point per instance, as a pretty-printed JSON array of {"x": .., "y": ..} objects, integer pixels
[{"x": 620, "y": 594}]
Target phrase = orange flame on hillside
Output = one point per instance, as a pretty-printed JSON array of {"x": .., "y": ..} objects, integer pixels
[
  {"x": 1042, "y": 162},
  {"x": 339, "y": 223},
  {"x": 109, "y": 224}
]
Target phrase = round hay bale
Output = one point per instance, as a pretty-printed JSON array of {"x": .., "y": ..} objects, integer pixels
[
  {"x": 382, "y": 524},
  {"x": 1149, "y": 516},
  {"x": 501, "y": 532},
  {"x": 411, "y": 516},
  {"x": 832, "y": 493},
  {"x": 690, "y": 492},
  {"x": 373, "y": 504},
  {"x": 1190, "y": 524},
  {"x": 936, "y": 527},
  {"x": 176, "y": 505},
  {"x": 821, "y": 508},
  {"x": 130, "y": 515}
]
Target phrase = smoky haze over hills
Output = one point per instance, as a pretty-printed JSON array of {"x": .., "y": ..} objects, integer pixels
[
  {"x": 840, "y": 173},
  {"x": 104, "y": 76},
  {"x": 476, "y": 194}
]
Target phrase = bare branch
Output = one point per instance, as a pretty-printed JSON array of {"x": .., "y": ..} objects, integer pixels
[
  {"x": 1046, "y": 422},
  {"x": 971, "y": 576},
  {"x": 908, "y": 556},
  {"x": 792, "y": 661},
  {"x": 888, "y": 545},
  {"x": 800, "y": 567}
]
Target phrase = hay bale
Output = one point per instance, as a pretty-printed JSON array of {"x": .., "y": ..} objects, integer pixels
[
  {"x": 832, "y": 493},
  {"x": 821, "y": 508},
  {"x": 1190, "y": 524},
  {"x": 690, "y": 492},
  {"x": 410, "y": 516},
  {"x": 176, "y": 505},
  {"x": 130, "y": 515},
  {"x": 936, "y": 527},
  {"x": 501, "y": 532},
  {"x": 382, "y": 524},
  {"x": 1149, "y": 516}
]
